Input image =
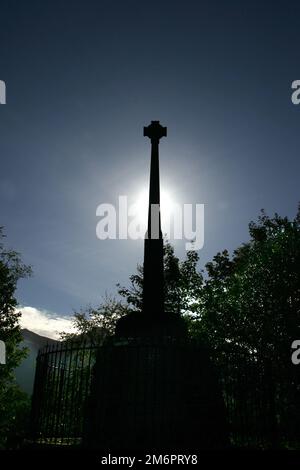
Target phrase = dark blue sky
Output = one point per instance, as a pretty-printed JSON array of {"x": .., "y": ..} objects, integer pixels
[{"x": 83, "y": 78}]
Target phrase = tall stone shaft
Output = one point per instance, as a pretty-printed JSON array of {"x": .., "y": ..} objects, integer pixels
[{"x": 153, "y": 292}]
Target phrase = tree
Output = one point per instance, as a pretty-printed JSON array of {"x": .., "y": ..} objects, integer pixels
[
  {"x": 249, "y": 311},
  {"x": 252, "y": 300},
  {"x": 93, "y": 324},
  {"x": 11, "y": 270}
]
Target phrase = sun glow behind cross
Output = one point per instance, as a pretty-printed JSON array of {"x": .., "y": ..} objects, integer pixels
[{"x": 166, "y": 206}]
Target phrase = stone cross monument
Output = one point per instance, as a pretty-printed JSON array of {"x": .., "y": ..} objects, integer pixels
[
  {"x": 153, "y": 296},
  {"x": 153, "y": 321}
]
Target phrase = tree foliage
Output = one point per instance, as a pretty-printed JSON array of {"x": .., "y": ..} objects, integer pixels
[
  {"x": 93, "y": 324},
  {"x": 12, "y": 400},
  {"x": 252, "y": 300}
]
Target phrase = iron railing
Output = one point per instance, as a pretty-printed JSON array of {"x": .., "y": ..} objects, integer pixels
[{"x": 261, "y": 412}]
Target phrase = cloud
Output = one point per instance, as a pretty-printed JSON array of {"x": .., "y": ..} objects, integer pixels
[{"x": 44, "y": 323}]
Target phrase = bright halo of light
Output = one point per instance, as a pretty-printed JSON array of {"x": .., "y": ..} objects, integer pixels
[{"x": 142, "y": 201}]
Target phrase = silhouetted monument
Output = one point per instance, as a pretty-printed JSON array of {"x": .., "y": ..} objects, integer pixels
[
  {"x": 152, "y": 387},
  {"x": 153, "y": 320},
  {"x": 153, "y": 255}
]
